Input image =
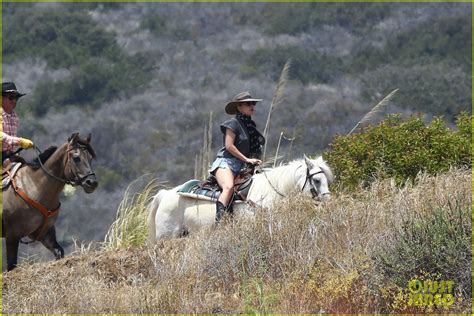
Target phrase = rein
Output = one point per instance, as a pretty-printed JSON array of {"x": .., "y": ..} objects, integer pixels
[
  {"x": 271, "y": 185},
  {"x": 309, "y": 175},
  {"x": 46, "y": 170}
]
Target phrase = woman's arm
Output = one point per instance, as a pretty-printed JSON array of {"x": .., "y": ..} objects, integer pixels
[{"x": 230, "y": 147}]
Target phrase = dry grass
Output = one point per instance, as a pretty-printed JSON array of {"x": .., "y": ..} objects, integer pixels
[
  {"x": 301, "y": 257},
  {"x": 130, "y": 226}
]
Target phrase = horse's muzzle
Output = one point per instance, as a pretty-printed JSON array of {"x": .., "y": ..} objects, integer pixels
[
  {"x": 89, "y": 183},
  {"x": 324, "y": 197}
]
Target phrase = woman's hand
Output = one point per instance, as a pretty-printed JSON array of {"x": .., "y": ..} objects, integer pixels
[{"x": 253, "y": 161}]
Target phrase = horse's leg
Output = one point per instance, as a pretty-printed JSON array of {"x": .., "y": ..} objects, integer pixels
[
  {"x": 50, "y": 242},
  {"x": 12, "y": 252}
]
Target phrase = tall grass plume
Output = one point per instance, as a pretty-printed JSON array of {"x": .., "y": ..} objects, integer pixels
[
  {"x": 374, "y": 111},
  {"x": 278, "y": 98},
  {"x": 130, "y": 225}
]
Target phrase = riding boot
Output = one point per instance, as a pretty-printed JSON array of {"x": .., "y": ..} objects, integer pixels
[
  {"x": 230, "y": 209},
  {"x": 220, "y": 209}
]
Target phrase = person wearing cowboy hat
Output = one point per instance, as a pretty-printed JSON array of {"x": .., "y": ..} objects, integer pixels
[
  {"x": 10, "y": 121},
  {"x": 242, "y": 145}
]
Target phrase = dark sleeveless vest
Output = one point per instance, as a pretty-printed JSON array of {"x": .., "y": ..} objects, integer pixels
[{"x": 242, "y": 141}]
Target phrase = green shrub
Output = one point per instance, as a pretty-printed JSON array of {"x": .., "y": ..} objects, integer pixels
[
  {"x": 401, "y": 149},
  {"x": 440, "y": 39},
  {"x": 109, "y": 179},
  {"x": 155, "y": 23},
  {"x": 438, "y": 88},
  {"x": 436, "y": 244},
  {"x": 92, "y": 83},
  {"x": 62, "y": 37},
  {"x": 295, "y": 18},
  {"x": 306, "y": 65}
]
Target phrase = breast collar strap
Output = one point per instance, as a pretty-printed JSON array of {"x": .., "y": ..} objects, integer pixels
[{"x": 39, "y": 233}]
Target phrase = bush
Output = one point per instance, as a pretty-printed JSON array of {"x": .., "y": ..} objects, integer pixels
[
  {"x": 62, "y": 37},
  {"x": 434, "y": 243},
  {"x": 92, "y": 83},
  {"x": 306, "y": 65},
  {"x": 400, "y": 149},
  {"x": 295, "y": 18}
]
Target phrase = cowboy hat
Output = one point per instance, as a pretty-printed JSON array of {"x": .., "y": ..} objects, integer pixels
[
  {"x": 231, "y": 107},
  {"x": 9, "y": 87}
]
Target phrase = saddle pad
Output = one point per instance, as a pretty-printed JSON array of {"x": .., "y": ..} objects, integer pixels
[
  {"x": 193, "y": 189},
  {"x": 13, "y": 171},
  {"x": 204, "y": 197},
  {"x": 186, "y": 187}
]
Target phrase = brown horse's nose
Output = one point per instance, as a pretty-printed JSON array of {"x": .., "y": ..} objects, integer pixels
[{"x": 90, "y": 184}]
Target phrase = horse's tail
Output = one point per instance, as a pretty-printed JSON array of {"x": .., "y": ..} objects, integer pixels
[{"x": 152, "y": 208}]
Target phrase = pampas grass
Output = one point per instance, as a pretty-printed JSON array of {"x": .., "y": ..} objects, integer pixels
[
  {"x": 130, "y": 226},
  {"x": 278, "y": 98},
  {"x": 282, "y": 136},
  {"x": 203, "y": 160},
  {"x": 375, "y": 110}
]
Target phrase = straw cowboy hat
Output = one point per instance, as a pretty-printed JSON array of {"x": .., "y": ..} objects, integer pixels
[{"x": 231, "y": 107}]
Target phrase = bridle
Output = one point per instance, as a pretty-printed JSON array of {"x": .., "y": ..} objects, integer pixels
[
  {"x": 76, "y": 180},
  {"x": 309, "y": 177}
]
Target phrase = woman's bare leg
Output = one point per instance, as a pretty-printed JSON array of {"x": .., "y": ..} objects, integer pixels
[{"x": 225, "y": 178}]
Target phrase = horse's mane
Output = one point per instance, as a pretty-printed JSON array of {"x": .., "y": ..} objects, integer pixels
[
  {"x": 326, "y": 169},
  {"x": 43, "y": 157},
  {"x": 282, "y": 170}
]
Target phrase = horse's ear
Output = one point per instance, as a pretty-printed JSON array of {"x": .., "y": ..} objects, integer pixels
[
  {"x": 74, "y": 138},
  {"x": 88, "y": 139},
  {"x": 309, "y": 164}
]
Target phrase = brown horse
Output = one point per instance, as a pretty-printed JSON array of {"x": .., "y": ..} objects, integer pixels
[{"x": 31, "y": 202}]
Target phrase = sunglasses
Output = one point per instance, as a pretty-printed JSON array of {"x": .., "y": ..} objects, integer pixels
[{"x": 251, "y": 103}]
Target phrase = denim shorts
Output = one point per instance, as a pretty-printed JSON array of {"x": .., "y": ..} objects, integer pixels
[{"x": 234, "y": 164}]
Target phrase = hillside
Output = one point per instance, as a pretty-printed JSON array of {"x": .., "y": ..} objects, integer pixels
[
  {"x": 295, "y": 258},
  {"x": 143, "y": 78}
]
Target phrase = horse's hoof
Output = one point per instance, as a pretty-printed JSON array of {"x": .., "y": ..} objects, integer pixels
[{"x": 58, "y": 253}]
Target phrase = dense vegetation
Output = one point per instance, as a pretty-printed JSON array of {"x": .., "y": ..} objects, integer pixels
[
  {"x": 400, "y": 149},
  {"x": 143, "y": 78},
  {"x": 99, "y": 70}
]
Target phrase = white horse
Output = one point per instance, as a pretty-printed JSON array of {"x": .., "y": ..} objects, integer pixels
[{"x": 170, "y": 213}]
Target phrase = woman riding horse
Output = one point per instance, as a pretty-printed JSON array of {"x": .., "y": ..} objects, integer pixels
[{"x": 242, "y": 144}]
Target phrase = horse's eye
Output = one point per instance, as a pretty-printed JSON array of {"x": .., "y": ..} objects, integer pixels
[
  {"x": 76, "y": 159},
  {"x": 316, "y": 181}
]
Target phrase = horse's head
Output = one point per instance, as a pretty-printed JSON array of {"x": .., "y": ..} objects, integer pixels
[
  {"x": 318, "y": 177},
  {"x": 78, "y": 170}
]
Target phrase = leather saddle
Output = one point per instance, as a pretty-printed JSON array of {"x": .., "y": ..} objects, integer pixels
[
  {"x": 8, "y": 172},
  {"x": 209, "y": 189}
]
